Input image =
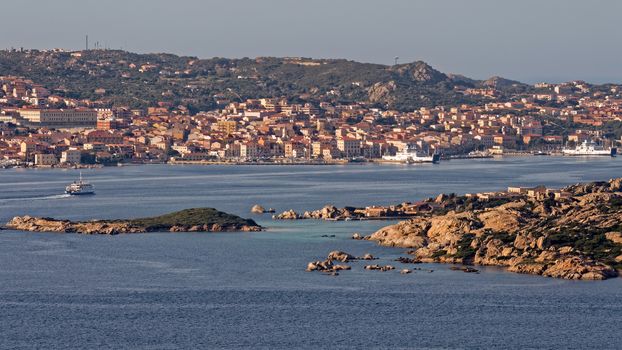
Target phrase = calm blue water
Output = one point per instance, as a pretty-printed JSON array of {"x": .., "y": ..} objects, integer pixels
[{"x": 249, "y": 290}]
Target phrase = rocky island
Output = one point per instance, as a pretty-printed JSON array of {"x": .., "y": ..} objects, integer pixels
[
  {"x": 188, "y": 220},
  {"x": 572, "y": 233}
]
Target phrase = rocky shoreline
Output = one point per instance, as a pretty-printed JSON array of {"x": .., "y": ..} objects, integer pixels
[
  {"x": 332, "y": 213},
  {"x": 188, "y": 220},
  {"x": 571, "y": 233}
]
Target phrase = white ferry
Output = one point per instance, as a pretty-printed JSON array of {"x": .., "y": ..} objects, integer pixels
[
  {"x": 410, "y": 155},
  {"x": 590, "y": 148},
  {"x": 79, "y": 187}
]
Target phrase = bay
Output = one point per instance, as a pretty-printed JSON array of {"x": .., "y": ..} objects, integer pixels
[{"x": 250, "y": 290}]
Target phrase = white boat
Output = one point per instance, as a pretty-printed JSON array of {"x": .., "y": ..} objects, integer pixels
[
  {"x": 541, "y": 153},
  {"x": 412, "y": 155},
  {"x": 79, "y": 187},
  {"x": 590, "y": 148}
]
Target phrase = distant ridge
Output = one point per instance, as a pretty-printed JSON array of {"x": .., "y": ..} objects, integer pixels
[
  {"x": 500, "y": 83},
  {"x": 140, "y": 80}
]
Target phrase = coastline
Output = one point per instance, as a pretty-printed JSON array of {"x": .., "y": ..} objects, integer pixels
[{"x": 318, "y": 163}]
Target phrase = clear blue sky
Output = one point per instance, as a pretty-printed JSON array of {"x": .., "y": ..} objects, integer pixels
[{"x": 527, "y": 40}]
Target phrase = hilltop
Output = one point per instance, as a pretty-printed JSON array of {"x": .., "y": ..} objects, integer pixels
[{"x": 140, "y": 80}]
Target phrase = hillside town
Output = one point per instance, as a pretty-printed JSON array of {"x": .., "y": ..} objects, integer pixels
[{"x": 41, "y": 127}]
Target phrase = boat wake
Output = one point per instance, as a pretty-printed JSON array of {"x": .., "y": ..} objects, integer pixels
[{"x": 56, "y": 196}]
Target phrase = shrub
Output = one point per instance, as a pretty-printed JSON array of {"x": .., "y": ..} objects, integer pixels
[{"x": 439, "y": 253}]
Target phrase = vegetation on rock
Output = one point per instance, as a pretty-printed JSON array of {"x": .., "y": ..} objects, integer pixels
[
  {"x": 188, "y": 220},
  {"x": 191, "y": 217},
  {"x": 575, "y": 236}
]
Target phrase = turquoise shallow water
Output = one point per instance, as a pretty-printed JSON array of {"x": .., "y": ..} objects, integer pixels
[{"x": 249, "y": 290}]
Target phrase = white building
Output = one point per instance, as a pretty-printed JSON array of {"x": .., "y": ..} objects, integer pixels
[
  {"x": 60, "y": 118},
  {"x": 45, "y": 159},
  {"x": 249, "y": 150}
]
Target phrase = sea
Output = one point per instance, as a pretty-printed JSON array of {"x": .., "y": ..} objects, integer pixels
[{"x": 251, "y": 290}]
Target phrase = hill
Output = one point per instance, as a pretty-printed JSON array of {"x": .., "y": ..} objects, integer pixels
[{"x": 140, "y": 80}]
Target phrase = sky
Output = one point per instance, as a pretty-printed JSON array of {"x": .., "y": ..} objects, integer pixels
[{"x": 526, "y": 40}]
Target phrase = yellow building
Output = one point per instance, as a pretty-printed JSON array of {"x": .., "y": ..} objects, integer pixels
[
  {"x": 27, "y": 147},
  {"x": 227, "y": 126},
  {"x": 349, "y": 147}
]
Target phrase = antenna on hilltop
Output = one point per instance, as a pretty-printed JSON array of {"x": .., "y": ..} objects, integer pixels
[
  {"x": 87, "y": 42},
  {"x": 396, "y": 59}
]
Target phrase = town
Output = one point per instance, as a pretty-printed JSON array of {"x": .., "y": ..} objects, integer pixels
[{"x": 41, "y": 127}]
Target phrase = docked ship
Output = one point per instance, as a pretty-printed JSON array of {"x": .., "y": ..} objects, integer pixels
[
  {"x": 79, "y": 187},
  {"x": 410, "y": 155},
  {"x": 590, "y": 148}
]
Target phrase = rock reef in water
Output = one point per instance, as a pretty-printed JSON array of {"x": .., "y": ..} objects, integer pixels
[
  {"x": 328, "y": 265},
  {"x": 328, "y": 212},
  {"x": 258, "y": 209},
  {"x": 576, "y": 234},
  {"x": 188, "y": 220},
  {"x": 288, "y": 215}
]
